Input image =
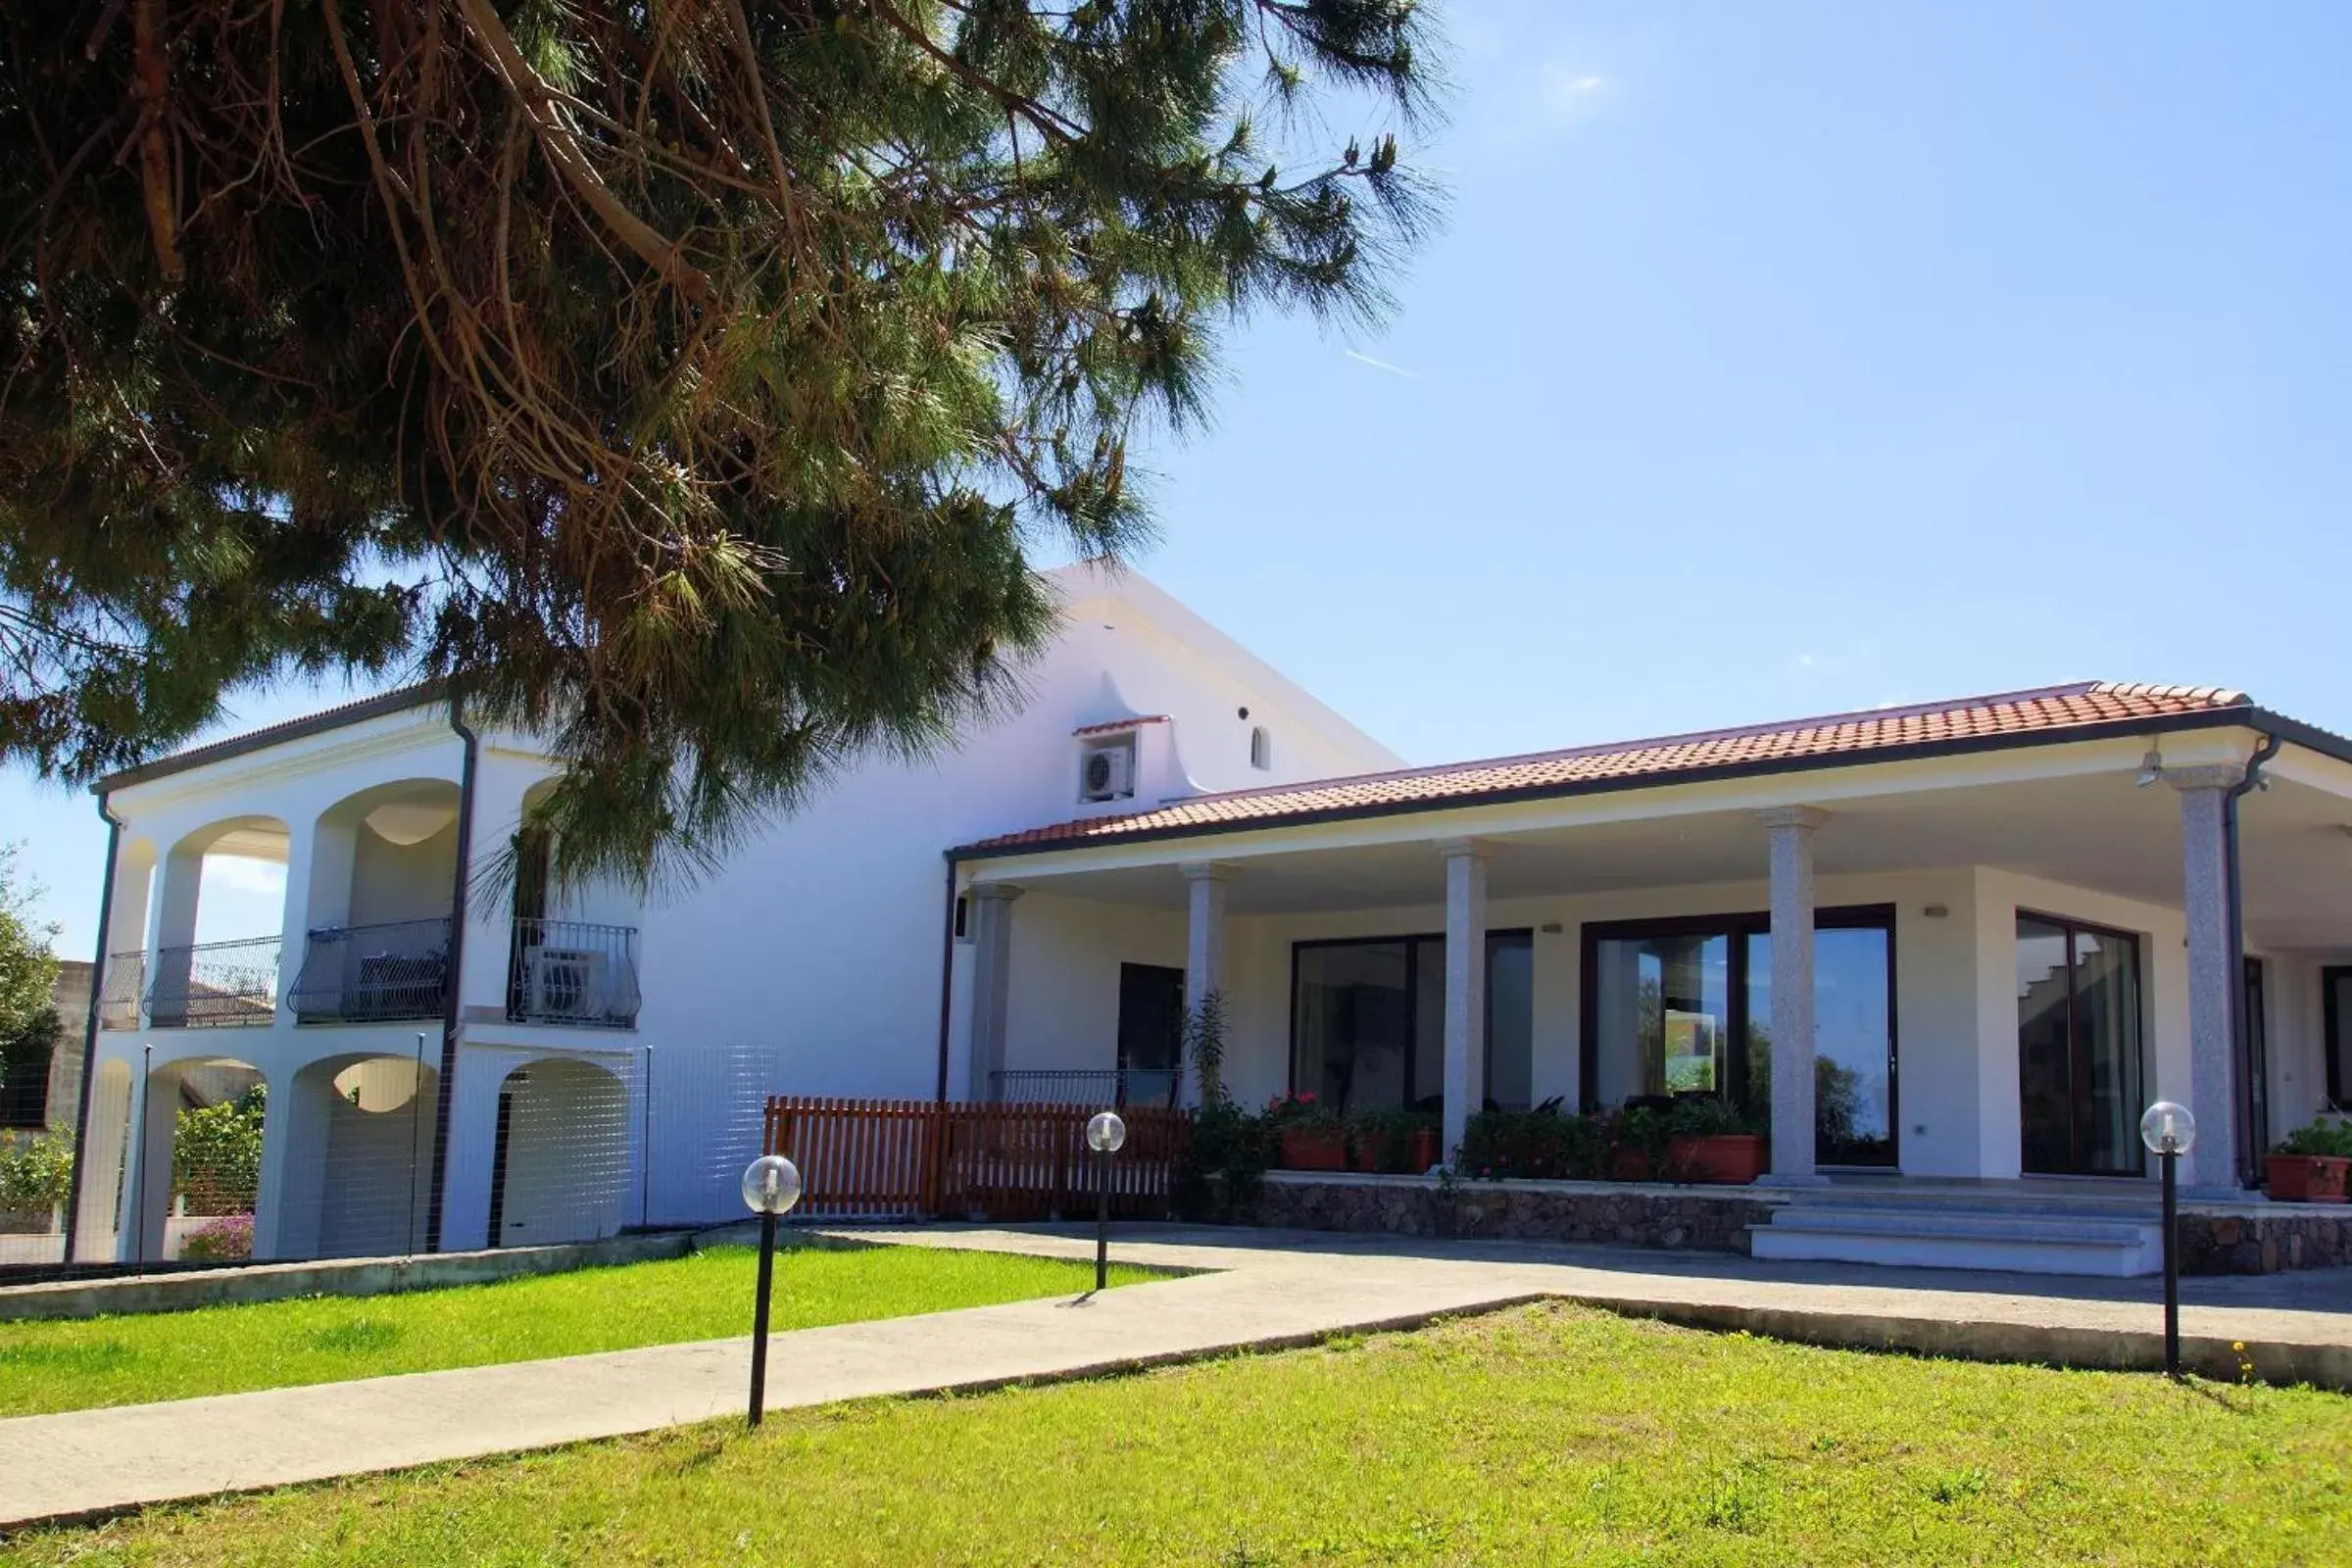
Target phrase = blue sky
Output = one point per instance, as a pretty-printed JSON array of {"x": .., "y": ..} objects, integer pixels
[{"x": 1785, "y": 358}]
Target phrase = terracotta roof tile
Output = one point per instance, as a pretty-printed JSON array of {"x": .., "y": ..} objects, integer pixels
[
  {"x": 1119, "y": 724},
  {"x": 2087, "y": 706}
]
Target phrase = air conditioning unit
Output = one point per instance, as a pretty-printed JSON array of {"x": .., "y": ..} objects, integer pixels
[
  {"x": 1107, "y": 772},
  {"x": 567, "y": 983}
]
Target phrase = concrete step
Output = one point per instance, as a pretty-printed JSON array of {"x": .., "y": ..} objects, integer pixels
[{"x": 1943, "y": 1236}]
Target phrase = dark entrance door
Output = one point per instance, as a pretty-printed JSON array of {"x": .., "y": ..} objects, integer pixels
[
  {"x": 2253, "y": 1081},
  {"x": 2077, "y": 1048},
  {"x": 1151, "y": 1029}
]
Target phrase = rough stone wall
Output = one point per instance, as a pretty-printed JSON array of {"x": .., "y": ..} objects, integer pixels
[
  {"x": 72, "y": 998},
  {"x": 1699, "y": 1220},
  {"x": 2265, "y": 1243}
]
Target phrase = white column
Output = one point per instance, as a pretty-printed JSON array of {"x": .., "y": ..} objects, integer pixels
[
  {"x": 1465, "y": 987},
  {"x": 98, "y": 1212},
  {"x": 1792, "y": 829},
  {"x": 171, "y": 931},
  {"x": 2213, "y": 976},
  {"x": 147, "y": 1183},
  {"x": 992, "y": 985}
]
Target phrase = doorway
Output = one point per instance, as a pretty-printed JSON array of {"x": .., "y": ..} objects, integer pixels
[{"x": 2077, "y": 1048}]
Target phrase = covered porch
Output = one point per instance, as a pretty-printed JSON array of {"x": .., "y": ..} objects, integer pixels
[{"x": 1974, "y": 968}]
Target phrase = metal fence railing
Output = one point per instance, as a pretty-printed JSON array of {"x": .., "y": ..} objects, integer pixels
[
  {"x": 572, "y": 973},
  {"x": 120, "y": 990},
  {"x": 372, "y": 973},
  {"x": 215, "y": 985},
  {"x": 1086, "y": 1086}
]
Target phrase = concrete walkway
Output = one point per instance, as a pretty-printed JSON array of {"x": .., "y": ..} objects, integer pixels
[{"x": 1261, "y": 1289}]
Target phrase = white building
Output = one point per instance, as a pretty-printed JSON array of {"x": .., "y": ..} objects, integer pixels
[{"x": 2026, "y": 916}]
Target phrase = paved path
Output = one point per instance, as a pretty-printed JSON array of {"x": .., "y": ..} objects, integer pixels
[{"x": 1260, "y": 1290}]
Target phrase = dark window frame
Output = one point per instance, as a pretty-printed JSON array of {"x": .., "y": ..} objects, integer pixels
[
  {"x": 1412, "y": 990},
  {"x": 2335, "y": 1047},
  {"x": 1736, "y": 927},
  {"x": 2077, "y": 1106}
]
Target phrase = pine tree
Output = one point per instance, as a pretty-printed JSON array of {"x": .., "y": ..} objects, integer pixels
[{"x": 692, "y": 381}]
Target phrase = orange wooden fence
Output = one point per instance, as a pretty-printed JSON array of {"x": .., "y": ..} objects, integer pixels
[{"x": 898, "y": 1157}]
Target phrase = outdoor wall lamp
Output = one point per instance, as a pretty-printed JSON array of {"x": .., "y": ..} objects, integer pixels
[
  {"x": 2170, "y": 1131},
  {"x": 2151, "y": 769},
  {"x": 1105, "y": 1131},
  {"x": 771, "y": 1184}
]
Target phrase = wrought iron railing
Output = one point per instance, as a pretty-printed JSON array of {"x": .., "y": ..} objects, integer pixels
[
  {"x": 568, "y": 971},
  {"x": 212, "y": 985},
  {"x": 1086, "y": 1086},
  {"x": 371, "y": 973},
  {"x": 119, "y": 994}
]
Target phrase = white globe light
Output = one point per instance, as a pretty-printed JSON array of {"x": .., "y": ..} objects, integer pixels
[
  {"x": 771, "y": 1184},
  {"x": 1106, "y": 1132},
  {"x": 2167, "y": 1126}
]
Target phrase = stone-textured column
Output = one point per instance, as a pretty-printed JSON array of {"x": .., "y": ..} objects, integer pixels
[
  {"x": 1205, "y": 933},
  {"x": 1792, "y": 829},
  {"x": 992, "y": 984},
  {"x": 2213, "y": 976},
  {"x": 1465, "y": 987}
]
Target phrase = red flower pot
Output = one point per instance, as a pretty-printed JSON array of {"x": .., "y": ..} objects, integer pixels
[
  {"x": 1313, "y": 1148},
  {"x": 1730, "y": 1158},
  {"x": 1426, "y": 1151},
  {"x": 1628, "y": 1164},
  {"x": 2308, "y": 1178}
]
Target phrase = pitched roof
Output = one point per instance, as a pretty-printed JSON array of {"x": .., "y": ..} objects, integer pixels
[
  {"x": 2048, "y": 713},
  {"x": 367, "y": 707}
]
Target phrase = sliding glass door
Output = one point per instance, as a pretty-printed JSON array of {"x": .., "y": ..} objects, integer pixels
[
  {"x": 1684, "y": 1007},
  {"x": 2077, "y": 1048},
  {"x": 1368, "y": 1021}
]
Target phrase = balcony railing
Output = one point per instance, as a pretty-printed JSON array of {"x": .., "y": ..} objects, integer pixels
[
  {"x": 215, "y": 985},
  {"x": 567, "y": 971},
  {"x": 1086, "y": 1086},
  {"x": 119, "y": 997},
  {"x": 375, "y": 973}
]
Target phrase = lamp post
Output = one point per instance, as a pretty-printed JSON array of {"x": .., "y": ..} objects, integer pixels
[
  {"x": 1105, "y": 1133},
  {"x": 771, "y": 1184},
  {"x": 2170, "y": 1131}
]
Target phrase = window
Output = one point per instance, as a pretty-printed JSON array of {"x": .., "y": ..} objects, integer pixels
[
  {"x": 1261, "y": 749},
  {"x": 2077, "y": 1048},
  {"x": 1685, "y": 1007},
  {"x": 2335, "y": 1006},
  {"x": 1368, "y": 1021},
  {"x": 1150, "y": 1016},
  {"x": 963, "y": 918}
]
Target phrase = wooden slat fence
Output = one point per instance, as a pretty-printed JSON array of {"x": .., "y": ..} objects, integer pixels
[{"x": 877, "y": 1158}]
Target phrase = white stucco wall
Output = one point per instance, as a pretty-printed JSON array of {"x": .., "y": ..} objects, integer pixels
[{"x": 1957, "y": 1087}]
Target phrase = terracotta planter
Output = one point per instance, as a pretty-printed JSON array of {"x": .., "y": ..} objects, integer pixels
[
  {"x": 2308, "y": 1178},
  {"x": 1313, "y": 1148},
  {"x": 1728, "y": 1158},
  {"x": 1426, "y": 1151},
  {"x": 1631, "y": 1165}
]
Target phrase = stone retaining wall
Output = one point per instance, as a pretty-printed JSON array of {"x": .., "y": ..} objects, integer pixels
[
  {"x": 2264, "y": 1244},
  {"x": 1682, "y": 1218}
]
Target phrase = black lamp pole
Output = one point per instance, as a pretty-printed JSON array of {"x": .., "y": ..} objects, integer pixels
[
  {"x": 767, "y": 1273},
  {"x": 1101, "y": 1220},
  {"x": 2172, "y": 1261}
]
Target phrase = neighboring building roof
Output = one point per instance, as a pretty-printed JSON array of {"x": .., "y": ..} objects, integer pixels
[
  {"x": 367, "y": 707},
  {"x": 2082, "y": 710},
  {"x": 1119, "y": 724}
]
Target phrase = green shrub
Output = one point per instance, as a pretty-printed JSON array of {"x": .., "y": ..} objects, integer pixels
[
  {"x": 2327, "y": 1138},
  {"x": 1384, "y": 1137},
  {"x": 37, "y": 1170},
  {"x": 216, "y": 1154}
]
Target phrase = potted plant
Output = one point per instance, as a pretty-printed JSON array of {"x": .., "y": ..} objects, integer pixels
[
  {"x": 2312, "y": 1164},
  {"x": 1708, "y": 1139},
  {"x": 1307, "y": 1136},
  {"x": 1637, "y": 1141},
  {"x": 1393, "y": 1142}
]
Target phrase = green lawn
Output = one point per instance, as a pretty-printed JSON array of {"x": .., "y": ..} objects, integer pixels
[
  {"x": 222, "y": 1350},
  {"x": 1549, "y": 1433}
]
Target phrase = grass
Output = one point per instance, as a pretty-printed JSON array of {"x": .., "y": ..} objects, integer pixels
[
  {"x": 225, "y": 1349},
  {"x": 1549, "y": 1434}
]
